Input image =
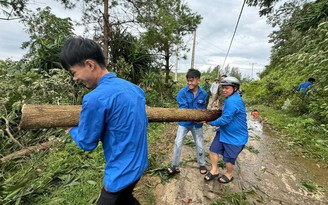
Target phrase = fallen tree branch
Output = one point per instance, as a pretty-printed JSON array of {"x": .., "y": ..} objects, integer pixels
[
  {"x": 29, "y": 150},
  {"x": 9, "y": 133}
]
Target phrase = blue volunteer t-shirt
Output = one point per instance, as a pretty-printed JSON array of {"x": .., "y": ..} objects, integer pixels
[
  {"x": 115, "y": 114},
  {"x": 304, "y": 87},
  {"x": 187, "y": 100},
  {"x": 233, "y": 122}
]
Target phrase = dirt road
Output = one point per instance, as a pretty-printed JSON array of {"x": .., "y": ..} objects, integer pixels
[{"x": 266, "y": 173}]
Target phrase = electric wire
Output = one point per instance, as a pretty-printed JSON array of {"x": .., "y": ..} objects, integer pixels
[{"x": 241, "y": 11}]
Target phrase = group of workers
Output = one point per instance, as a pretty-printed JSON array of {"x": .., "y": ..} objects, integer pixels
[
  {"x": 213, "y": 91},
  {"x": 231, "y": 133},
  {"x": 114, "y": 112}
]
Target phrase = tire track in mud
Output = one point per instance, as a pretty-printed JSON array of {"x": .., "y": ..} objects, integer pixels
[{"x": 265, "y": 173}]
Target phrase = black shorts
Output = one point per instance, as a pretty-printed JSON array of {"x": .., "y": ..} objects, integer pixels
[{"x": 122, "y": 197}]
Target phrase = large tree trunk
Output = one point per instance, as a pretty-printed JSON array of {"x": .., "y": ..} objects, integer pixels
[{"x": 47, "y": 116}]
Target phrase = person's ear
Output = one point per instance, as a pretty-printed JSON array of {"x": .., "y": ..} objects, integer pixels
[{"x": 90, "y": 64}]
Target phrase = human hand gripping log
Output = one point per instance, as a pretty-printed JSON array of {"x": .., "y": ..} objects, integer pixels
[{"x": 49, "y": 116}]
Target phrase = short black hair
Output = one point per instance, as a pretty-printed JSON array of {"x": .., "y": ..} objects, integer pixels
[
  {"x": 224, "y": 75},
  {"x": 76, "y": 50},
  {"x": 193, "y": 73},
  {"x": 311, "y": 80}
]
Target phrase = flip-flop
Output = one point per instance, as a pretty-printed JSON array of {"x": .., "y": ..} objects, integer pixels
[
  {"x": 225, "y": 178},
  {"x": 173, "y": 170},
  {"x": 201, "y": 169},
  {"x": 209, "y": 176}
]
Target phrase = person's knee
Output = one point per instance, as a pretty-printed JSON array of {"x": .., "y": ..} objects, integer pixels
[
  {"x": 229, "y": 160},
  {"x": 214, "y": 155}
]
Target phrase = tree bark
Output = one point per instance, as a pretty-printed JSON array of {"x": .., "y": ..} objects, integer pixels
[{"x": 47, "y": 116}]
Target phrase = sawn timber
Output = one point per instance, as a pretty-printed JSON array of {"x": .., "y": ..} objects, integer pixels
[{"x": 50, "y": 116}]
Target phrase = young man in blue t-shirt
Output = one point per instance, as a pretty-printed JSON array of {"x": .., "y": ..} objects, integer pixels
[
  {"x": 114, "y": 112},
  {"x": 190, "y": 97}
]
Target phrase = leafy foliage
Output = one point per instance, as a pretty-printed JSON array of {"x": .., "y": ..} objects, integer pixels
[
  {"x": 130, "y": 58},
  {"x": 299, "y": 52},
  {"x": 12, "y": 9},
  {"x": 48, "y": 34},
  {"x": 266, "y": 6},
  {"x": 34, "y": 87},
  {"x": 297, "y": 55}
]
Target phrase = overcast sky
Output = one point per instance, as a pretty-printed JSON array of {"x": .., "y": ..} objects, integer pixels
[{"x": 250, "y": 45}]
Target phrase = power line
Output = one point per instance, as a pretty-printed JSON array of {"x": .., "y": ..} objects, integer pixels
[{"x": 241, "y": 11}]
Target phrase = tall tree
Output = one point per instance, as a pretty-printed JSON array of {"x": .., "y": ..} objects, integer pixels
[{"x": 166, "y": 22}]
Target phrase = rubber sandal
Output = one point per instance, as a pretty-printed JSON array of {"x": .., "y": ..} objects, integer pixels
[
  {"x": 173, "y": 170},
  {"x": 202, "y": 169},
  {"x": 226, "y": 180},
  {"x": 209, "y": 176}
]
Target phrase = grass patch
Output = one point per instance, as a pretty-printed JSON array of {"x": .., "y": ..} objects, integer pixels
[
  {"x": 231, "y": 199},
  {"x": 64, "y": 175},
  {"x": 310, "y": 186},
  {"x": 252, "y": 149}
]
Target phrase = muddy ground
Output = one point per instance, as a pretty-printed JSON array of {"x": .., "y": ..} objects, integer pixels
[{"x": 267, "y": 172}]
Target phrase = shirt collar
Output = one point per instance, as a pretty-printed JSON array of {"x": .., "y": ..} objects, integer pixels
[
  {"x": 189, "y": 90},
  {"x": 234, "y": 93},
  {"x": 106, "y": 76}
]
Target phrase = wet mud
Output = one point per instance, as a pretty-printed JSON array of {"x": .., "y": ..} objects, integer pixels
[{"x": 267, "y": 172}]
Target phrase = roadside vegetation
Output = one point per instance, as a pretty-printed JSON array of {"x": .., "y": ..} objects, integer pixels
[{"x": 299, "y": 52}]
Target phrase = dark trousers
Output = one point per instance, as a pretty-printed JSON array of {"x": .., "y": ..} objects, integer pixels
[{"x": 122, "y": 197}]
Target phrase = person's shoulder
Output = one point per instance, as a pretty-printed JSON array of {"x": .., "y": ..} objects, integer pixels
[
  {"x": 92, "y": 98},
  {"x": 183, "y": 90},
  {"x": 235, "y": 98}
]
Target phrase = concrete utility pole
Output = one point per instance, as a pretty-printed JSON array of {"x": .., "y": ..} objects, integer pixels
[
  {"x": 252, "y": 68},
  {"x": 176, "y": 66},
  {"x": 193, "y": 52}
]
